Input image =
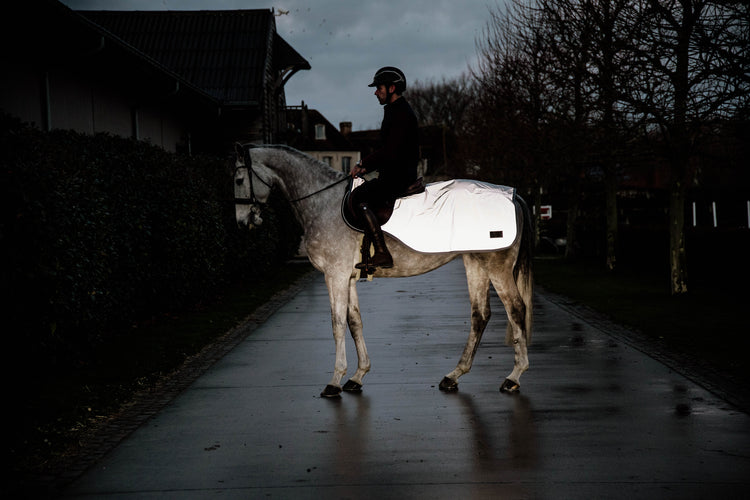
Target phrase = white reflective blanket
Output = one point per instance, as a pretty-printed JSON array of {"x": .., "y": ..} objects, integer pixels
[{"x": 455, "y": 216}]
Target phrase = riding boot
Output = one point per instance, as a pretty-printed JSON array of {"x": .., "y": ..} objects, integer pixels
[{"x": 381, "y": 258}]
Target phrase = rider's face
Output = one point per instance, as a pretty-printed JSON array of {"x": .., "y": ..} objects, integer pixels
[{"x": 381, "y": 92}]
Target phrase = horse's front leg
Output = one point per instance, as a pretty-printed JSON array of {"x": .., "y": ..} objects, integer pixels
[
  {"x": 354, "y": 320},
  {"x": 338, "y": 294}
]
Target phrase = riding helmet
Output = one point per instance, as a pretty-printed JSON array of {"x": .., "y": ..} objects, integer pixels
[{"x": 389, "y": 75}]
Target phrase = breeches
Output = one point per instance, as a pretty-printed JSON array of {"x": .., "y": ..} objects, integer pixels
[
  {"x": 374, "y": 193},
  {"x": 378, "y": 197}
]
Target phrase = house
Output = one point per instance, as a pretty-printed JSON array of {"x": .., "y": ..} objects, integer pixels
[
  {"x": 140, "y": 74},
  {"x": 309, "y": 131},
  {"x": 235, "y": 56}
]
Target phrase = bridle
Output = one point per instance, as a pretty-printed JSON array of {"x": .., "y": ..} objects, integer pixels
[
  {"x": 249, "y": 166},
  {"x": 252, "y": 200}
]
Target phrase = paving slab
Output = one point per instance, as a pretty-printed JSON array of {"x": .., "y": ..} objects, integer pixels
[{"x": 596, "y": 418}]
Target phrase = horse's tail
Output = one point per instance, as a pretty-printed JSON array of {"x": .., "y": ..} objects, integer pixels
[{"x": 523, "y": 270}]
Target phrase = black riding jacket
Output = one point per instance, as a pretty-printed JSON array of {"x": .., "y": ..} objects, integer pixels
[{"x": 396, "y": 160}]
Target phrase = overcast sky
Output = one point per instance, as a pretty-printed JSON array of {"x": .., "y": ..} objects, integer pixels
[{"x": 346, "y": 41}]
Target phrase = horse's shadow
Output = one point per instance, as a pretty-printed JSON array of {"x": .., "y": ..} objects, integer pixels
[
  {"x": 504, "y": 440},
  {"x": 501, "y": 441}
]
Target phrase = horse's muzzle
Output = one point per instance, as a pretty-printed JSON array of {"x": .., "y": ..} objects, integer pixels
[{"x": 248, "y": 216}]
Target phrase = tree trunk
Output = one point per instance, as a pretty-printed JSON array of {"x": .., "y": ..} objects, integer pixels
[
  {"x": 680, "y": 150},
  {"x": 677, "y": 247},
  {"x": 611, "y": 217},
  {"x": 570, "y": 236}
]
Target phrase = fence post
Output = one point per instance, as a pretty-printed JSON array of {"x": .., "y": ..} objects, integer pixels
[
  {"x": 713, "y": 210},
  {"x": 695, "y": 220}
]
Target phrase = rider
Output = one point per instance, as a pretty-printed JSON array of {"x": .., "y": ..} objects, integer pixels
[{"x": 396, "y": 160}]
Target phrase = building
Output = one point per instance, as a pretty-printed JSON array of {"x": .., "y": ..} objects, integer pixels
[
  {"x": 188, "y": 81},
  {"x": 309, "y": 131}
]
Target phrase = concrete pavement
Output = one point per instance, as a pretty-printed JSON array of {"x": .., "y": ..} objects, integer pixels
[{"x": 595, "y": 418}]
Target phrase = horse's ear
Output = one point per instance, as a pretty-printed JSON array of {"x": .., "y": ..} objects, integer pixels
[
  {"x": 246, "y": 156},
  {"x": 239, "y": 156},
  {"x": 242, "y": 149},
  {"x": 242, "y": 154},
  {"x": 238, "y": 149}
]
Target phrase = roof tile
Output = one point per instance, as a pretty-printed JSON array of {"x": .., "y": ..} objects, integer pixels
[{"x": 222, "y": 52}]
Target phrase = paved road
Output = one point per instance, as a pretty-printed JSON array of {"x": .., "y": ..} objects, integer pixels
[{"x": 596, "y": 418}]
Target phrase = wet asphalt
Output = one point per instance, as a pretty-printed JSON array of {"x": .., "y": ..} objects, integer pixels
[{"x": 595, "y": 418}]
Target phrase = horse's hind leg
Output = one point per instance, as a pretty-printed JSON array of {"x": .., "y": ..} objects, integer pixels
[
  {"x": 516, "y": 335},
  {"x": 479, "y": 285}
]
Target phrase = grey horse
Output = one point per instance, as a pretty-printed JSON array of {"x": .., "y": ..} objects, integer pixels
[{"x": 334, "y": 248}]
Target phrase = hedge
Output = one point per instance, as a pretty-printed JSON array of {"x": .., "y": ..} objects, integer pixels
[{"x": 98, "y": 232}]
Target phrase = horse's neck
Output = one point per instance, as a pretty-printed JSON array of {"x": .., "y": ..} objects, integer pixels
[{"x": 301, "y": 179}]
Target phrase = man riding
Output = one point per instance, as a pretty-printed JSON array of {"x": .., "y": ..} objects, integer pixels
[{"x": 395, "y": 161}]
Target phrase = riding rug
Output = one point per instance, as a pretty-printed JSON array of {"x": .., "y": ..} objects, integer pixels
[{"x": 455, "y": 216}]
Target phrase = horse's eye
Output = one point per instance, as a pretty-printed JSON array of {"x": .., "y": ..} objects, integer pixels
[{"x": 239, "y": 181}]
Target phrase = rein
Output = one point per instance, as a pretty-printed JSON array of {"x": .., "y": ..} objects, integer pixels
[{"x": 320, "y": 190}]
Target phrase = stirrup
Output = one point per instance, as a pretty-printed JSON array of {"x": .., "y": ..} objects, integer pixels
[
  {"x": 366, "y": 266},
  {"x": 387, "y": 264}
]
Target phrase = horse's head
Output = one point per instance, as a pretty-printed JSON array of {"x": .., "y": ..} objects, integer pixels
[{"x": 250, "y": 189}]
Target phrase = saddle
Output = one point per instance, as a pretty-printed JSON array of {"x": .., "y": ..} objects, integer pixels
[
  {"x": 458, "y": 215},
  {"x": 383, "y": 211}
]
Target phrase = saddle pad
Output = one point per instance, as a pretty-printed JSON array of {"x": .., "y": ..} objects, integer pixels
[{"x": 455, "y": 216}]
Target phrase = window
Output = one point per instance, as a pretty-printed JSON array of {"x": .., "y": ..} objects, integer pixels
[
  {"x": 320, "y": 132},
  {"x": 346, "y": 164},
  {"x": 328, "y": 160}
]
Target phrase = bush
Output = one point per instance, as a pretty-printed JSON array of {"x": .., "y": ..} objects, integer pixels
[{"x": 100, "y": 232}]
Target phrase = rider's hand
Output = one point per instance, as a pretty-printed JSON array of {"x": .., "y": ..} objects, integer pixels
[{"x": 358, "y": 170}]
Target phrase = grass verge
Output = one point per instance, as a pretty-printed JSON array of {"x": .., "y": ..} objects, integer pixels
[{"x": 708, "y": 324}]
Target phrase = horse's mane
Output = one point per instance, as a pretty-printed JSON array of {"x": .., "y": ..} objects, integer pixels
[{"x": 323, "y": 167}]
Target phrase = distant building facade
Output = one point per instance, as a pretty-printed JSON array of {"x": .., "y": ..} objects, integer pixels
[{"x": 309, "y": 131}]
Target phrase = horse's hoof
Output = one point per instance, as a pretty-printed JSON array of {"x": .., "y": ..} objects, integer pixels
[
  {"x": 448, "y": 385},
  {"x": 352, "y": 386},
  {"x": 510, "y": 387},
  {"x": 331, "y": 391}
]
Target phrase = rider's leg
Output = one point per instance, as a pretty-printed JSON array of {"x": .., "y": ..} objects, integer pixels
[{"x": 382, "y": 257}]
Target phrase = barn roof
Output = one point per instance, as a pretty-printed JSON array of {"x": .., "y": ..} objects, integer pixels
[{"x": 222, "y": 52}]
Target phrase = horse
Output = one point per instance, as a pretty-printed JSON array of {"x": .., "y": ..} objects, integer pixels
[{"x": 333, "y": 247}]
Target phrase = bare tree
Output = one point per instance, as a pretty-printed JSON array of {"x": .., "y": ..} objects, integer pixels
[
  {"x": 612, "y": 35},
  {"x": 516, "y": 95},
  {"x": 442, "y": 103},
  {"x": 570, "y": 36},
  {"x": 443, "y": 107},
  {"x": 588, "y": 39},
  {"x": 687, "y": 72}
]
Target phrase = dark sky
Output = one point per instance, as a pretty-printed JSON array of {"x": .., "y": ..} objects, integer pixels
[{"x": 346, "y": 41}]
